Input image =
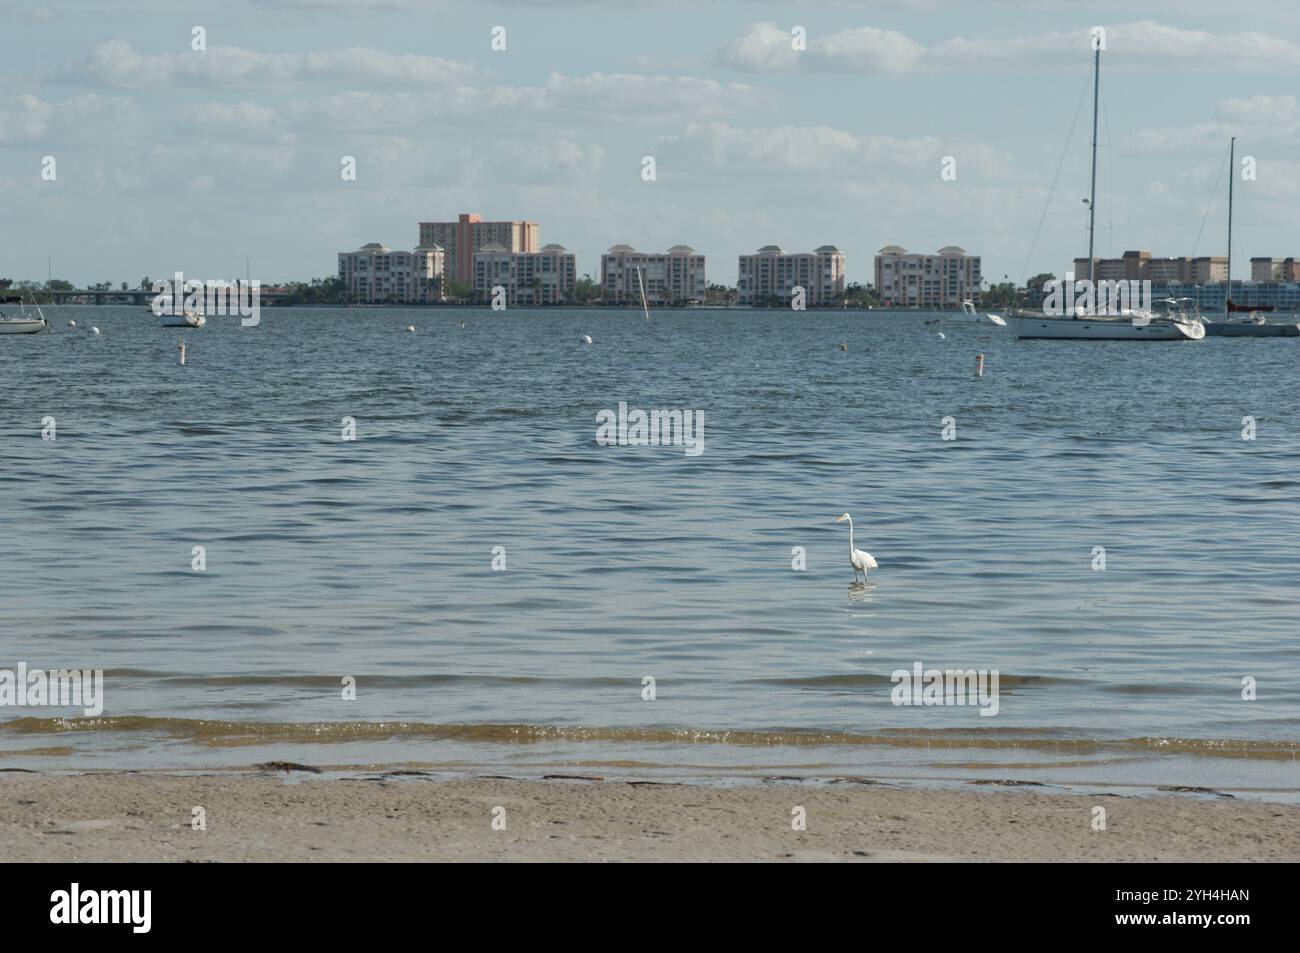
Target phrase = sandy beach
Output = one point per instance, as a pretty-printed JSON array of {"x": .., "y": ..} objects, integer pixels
[{"x": 278, "y": 816}]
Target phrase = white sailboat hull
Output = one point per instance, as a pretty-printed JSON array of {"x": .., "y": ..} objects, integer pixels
[
  {"x": 21, "y": 325},
  {"x": 183, "y": 320},
  {"x": 1042, "y": 327}
]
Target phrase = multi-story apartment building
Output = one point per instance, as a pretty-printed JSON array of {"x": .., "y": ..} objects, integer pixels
[
  {"x": 673, "y": 277},
  {"x": 373, "y": 274},
  {"x": 769, "y": 276},
  {"x": 1282, "y": 296},
  {"x": 1140, "y": 266},
  {"x": 942, "y": 280},
  {"x": 1274, "y": 269},
  {"x": 461, "y": 239},
  {"x": 529, "y": 278}
]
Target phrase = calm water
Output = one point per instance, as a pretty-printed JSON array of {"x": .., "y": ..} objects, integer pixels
[{"x": 373, "y": 558}]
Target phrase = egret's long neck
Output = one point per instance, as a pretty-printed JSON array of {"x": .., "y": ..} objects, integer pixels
[{"x": 850, "y": 534}]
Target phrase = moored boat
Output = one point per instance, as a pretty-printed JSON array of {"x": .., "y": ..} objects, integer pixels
[
  {"x": 1029, "y": 325},
  {"x": 186, "y": 319},
  {"x": 23, "y": 323}
]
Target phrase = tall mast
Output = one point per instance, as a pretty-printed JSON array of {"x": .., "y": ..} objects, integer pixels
[
  {"x": 1232, "y": 175},
  {"x": 1092, "y": 198}
]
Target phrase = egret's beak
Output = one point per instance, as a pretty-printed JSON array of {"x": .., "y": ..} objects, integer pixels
[{"x": 841, "y": 519}]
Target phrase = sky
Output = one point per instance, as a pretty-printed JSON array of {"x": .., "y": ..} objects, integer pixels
[{"x": 168, "y": 158}]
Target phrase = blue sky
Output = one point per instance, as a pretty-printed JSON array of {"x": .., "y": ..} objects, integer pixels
[{"x": 170, "y": 159}]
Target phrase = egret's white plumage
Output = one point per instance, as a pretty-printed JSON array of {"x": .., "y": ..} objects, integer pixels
[{"x": 859, "y": 559}]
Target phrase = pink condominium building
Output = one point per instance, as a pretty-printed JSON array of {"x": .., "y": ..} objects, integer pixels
[
  {"x": 943, "y": 280},
  {"x": 770, "y": 275},
  {"x": 465, "y": 237}
]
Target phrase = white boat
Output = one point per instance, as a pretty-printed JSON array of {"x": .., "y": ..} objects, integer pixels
[
  {"x": 23, "y": 323},
  {"x": 1083, "y": 325},
  {"x": 1031, "y": 326},
  {"x": 186, "y": 319},
  {"x": 968, "y": 315}
]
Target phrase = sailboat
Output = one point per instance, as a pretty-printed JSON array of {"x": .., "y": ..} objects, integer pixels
[
  {"x": 23, "y": 324},
  {"x": 1137, "y": 325},
  {"x": 1250, "y": 324}
]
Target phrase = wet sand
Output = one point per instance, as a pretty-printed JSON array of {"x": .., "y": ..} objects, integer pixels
[{"x": 278, "y": 816}]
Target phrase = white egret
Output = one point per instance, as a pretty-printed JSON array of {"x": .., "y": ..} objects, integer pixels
[
  {"x": 941, "y": 337},
  {"x": 860, "y": 560}
]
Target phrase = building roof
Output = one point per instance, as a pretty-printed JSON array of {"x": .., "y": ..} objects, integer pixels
[
  {"x": 681, "y": 250},
  {"x": 952, "y": 250},
  {"x": 621, "y": 249},
  {"x": 770, "y": 250},
  {"x": 826, "y": 250},
  {"x": 373, "y": 246},
  {"x": 893, "y": 250},
  {"x": 559, "y": 249}
]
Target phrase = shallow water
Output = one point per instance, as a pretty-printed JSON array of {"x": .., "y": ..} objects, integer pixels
[{"x": 373, "y": 558}]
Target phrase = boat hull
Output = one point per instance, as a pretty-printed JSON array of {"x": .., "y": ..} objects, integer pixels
[
  {"x": 21, "y": 326},
  {"x": 183, "y": 321},
  {"x": 1253, "y": 330},
  {"x": 1043, "y": 328}
]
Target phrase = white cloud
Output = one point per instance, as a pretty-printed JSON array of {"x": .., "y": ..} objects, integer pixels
[
  {"x": 825, "y": 149},
  {"x": 116, "y": 64},
  {"x": 765, "y": 47},
  {"x": 26, "y": 119},
  {"x": 595, "y": 99}
]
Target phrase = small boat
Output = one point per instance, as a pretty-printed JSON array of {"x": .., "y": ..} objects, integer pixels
[
  {"x": 186, "y": 319},
  {"x": 23, "y": 323},
  {"x": 1250, "y": 326},
  {"x": 969, "y": 315}
]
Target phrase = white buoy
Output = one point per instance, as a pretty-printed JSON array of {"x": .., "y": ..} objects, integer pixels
[
  {"x": 586, "y": 339},
  {"x": 410, "y": 328},
  {"x": 941, "y": 337},
  {"x": 979, "y": 365},
  {"x": 72, "y": 324},
  {"x": 94, "y": 330},
  {"x": 182, "y": 352}
]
